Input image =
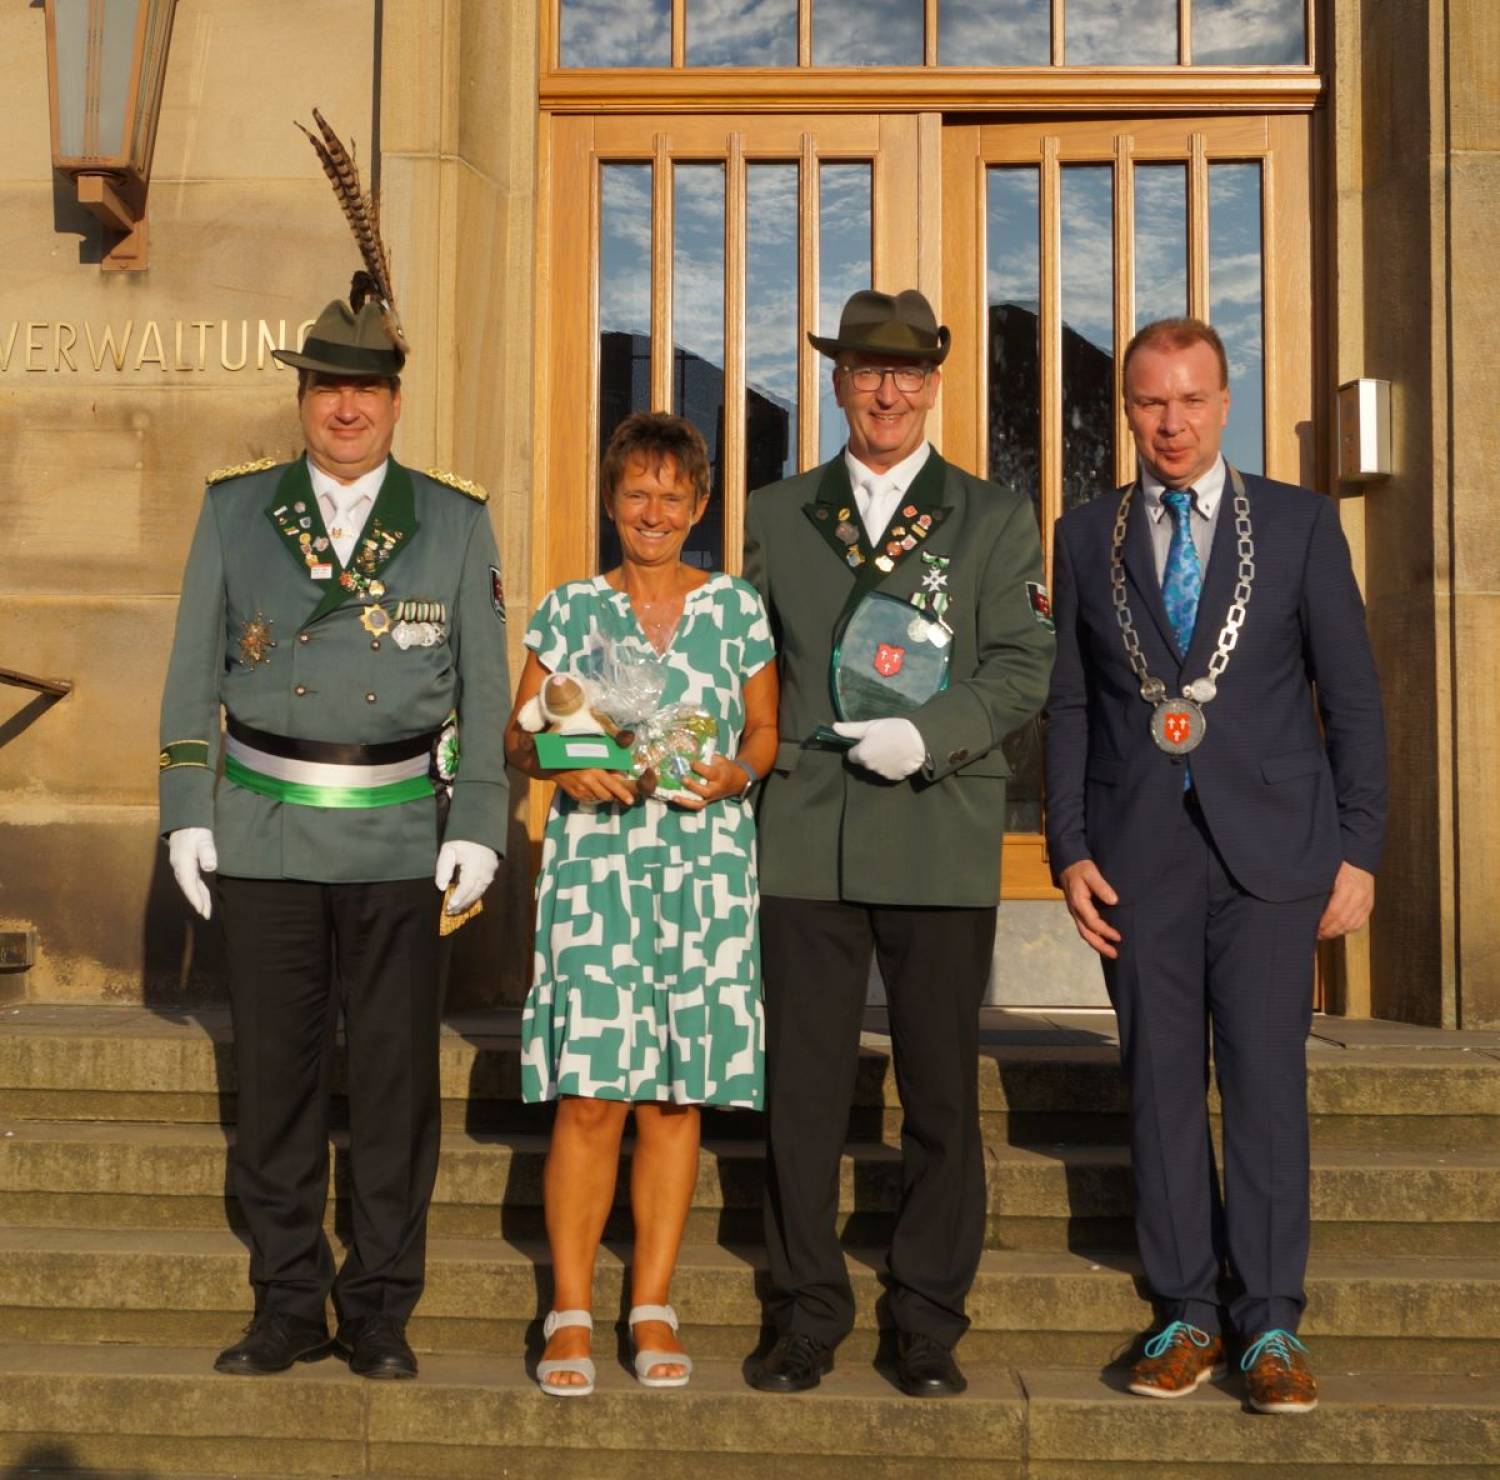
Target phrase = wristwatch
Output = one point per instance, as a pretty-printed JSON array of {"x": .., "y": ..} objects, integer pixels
[{"x": 751, "y": 777}]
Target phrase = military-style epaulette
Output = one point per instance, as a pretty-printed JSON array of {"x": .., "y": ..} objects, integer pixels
[
  {"x": 239, "y": 470},
  {"x": 463, "y": 485}
]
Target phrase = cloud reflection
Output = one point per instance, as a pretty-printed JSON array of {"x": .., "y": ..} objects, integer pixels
[
  {"x": 1236, "y": 303},
  {"x": 1121, "y": 32},
  {"x": 867, "y": 33},
  {"x": 1160, "y": 242},
  {"x": 995, "y": 33},
  {"x": 625, "y": 249},
  {"x": 617, "y": 33},
  {"x": 1231, "y": 32},
  {"x": 742, "y": 33}
]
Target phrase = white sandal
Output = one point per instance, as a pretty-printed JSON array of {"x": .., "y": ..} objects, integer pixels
[
  {"x": 646, "y": 1360},
  {"x": 583, "y": 1366}
]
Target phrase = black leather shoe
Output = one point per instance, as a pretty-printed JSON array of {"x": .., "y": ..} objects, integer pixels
[
  {"x": 271, "y": 1343},
  {"x": 376, "y": 1347},
  {"x": 796, "y": 1363},
  {"x": 926, "y": 1370}
]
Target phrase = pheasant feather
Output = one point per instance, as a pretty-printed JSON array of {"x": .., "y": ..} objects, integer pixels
[{"x": 362, "y": 211}]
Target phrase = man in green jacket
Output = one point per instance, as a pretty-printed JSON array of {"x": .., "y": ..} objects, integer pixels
[
  {"x": 343, "y": 612},
  {"x": 891, "y": 847}
]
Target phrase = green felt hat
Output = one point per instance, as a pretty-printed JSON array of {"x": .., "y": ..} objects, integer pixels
[
  {"x": 346, "y": 342},
  {"x": 878, "y": 324}
]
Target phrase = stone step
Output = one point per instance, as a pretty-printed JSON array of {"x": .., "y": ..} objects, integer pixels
[
  {"x": 1372, "y": 1202},
  {"x": 182, "y": 1287},
  {"x": 1037, "y": 1084},
  {"x": 161, "y": 1412}
]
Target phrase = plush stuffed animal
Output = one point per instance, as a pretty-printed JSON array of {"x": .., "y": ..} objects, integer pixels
[{"x": 564, "y": 705}]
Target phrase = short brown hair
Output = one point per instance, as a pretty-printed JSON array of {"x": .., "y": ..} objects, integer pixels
[
  {"x": 306, "y": 377},
  {"x": 654, "y": 436},
  {"x": 1177, "y": 334}
]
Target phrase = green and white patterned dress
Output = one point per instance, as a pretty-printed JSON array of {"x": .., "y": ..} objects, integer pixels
[{"x": 647, "y": 974}]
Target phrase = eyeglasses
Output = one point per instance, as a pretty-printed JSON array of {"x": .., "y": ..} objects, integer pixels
[{"x": 908, "y": 378}]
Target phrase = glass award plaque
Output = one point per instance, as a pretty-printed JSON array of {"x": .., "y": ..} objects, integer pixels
[{"x": 891, "y": 658}]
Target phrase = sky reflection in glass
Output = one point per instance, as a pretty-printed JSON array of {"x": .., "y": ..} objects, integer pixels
[
  {"x": 995, "y": 33},
  {"x": 867, "y": 33},
  {"x": 1013, "y": 294},
  {"x": 844, "y": 268},
  {"x": 616, "y": 33},
  {"x": 1105, "y": 33},
  {"x": 698, "y": 335},
  {"x": 1269, "y": 33},
  {"x": 770, "y": 323},
  {"x": 1235, "y": 304},
  {"x": 624, "y": 311},
  {"x": 1088, "y": 332},
  {"x": 742, "y": 33},
  {"x": 1161, "y": 284}
]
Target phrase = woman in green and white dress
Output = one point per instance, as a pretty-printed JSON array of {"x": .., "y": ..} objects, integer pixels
[{"x": 646, "y": 988}]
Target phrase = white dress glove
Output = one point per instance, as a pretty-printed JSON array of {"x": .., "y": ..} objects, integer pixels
[
  {"x": 191, "y": 852},
  {"x": 892, "y": 748},
  {"x": 475, "y": 866}
]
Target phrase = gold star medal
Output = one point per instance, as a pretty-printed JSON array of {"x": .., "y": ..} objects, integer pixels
[
  {"x": 376, "y": 620},
  {"x": 256, "y": 640}
]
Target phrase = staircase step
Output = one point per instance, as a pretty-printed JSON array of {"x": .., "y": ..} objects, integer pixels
[
  {"x": 180, "y": 1288},
  {"x": 162, "y": 1412},
  {"x": 130, "y": 1064},
  {"x": 71, "y": 1174}
]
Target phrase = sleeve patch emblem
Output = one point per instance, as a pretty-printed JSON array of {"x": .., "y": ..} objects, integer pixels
[
  {"x": 1041, "y": 603},
  {"x": 497, "y": 592}
]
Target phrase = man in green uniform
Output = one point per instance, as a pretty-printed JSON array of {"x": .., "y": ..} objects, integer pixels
[
  {"x": 891, "y": 848},
  {"x": 340, "y": 610}
]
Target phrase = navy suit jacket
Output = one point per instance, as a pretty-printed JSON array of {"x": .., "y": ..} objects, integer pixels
[{"x": 1285, "y": 800}]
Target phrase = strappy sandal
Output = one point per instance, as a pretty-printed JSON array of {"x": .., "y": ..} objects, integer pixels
[
  {"x": 583, "y": 1366},
  {"x": 646, "y": 1360}
]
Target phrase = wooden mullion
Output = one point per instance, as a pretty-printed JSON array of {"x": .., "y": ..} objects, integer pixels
[
  {"x": 808, "y": 362},
  {"x": 736, "y": 187},
  {"x": 930, "y": 33},
  {"x": 1184, "y": 33},
  {"x": 1124, "y": 297},
  {"x": 804, "y": 33},
  {"x": 679, "y": 33},
  {"x": 1050, "y": 258},
  {"x": 1059, "y": 33},
  {"x": 1198, "y": 226},
  {"x": 549, "y": 49},
  {"x": 662, "y": 186}
]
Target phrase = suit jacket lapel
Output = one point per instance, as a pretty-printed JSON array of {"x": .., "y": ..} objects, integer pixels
[
  {"x": 833, "y": 510},
  {"x": 1218, "y": 585},
  {"x": 294, "y": 512},
  {"x": 1140, "y": 567},
  {"x": 387, "y": 532}
]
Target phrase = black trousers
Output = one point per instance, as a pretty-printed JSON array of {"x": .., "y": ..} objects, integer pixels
[
  {"x": 815, "y": 967},
  {"x": 297, "y": 951},
  {"x": 1199, "y": 955}
]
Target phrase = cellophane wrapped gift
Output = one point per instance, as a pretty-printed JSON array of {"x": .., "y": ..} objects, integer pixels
[{"x": 668, "y": 738}]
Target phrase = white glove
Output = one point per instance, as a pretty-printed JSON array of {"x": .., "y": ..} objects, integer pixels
[
  {"x": 475, "y": 866},
  {"x": 892, "y": 748},
  {"x": 191, "y": 852}
]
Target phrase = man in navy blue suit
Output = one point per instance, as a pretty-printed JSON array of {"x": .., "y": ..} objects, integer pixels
[{"x": 1207, "y": 830}]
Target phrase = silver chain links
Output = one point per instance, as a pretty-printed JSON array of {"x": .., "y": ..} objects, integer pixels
[{"x": 1201, "y": 690}]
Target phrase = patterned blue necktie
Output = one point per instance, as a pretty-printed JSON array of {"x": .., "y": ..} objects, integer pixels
[{"x": 1182, "y": 580}]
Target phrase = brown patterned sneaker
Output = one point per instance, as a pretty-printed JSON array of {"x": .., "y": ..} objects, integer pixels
[
  {"x": 1176, "y": 1360},
  {"x": 1280, "y": 1380}
]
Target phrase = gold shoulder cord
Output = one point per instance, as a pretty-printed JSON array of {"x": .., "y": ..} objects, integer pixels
[
  {"x": 463, "y": 485},
  {"x": 239, "y": 470}
]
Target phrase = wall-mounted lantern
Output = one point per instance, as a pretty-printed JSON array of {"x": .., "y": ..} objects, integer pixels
[
  {"x": 1364, "y": 430},
  {"x": 106, "y": 60}
]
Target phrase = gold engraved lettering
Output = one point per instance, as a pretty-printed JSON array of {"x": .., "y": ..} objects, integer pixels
[
  {"x": 62, "y": 352},
  {"x": 265, "y": 342},
  {"x": 202, "y": 326},
  {"x": 116, "y": 352},
  {"x": 8, "y": 345},
  {"x": 177, "y": 348},
  {"x": 33, "y": 348},
  {"x": 149, "y": 333},
  {"x": 224, "y": 345}
]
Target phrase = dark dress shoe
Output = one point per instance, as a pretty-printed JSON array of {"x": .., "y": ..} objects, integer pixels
[
  {"x": 271, "y": 1343},
  {"x": 796, "y": 1363},
  {"x": 925, "y": 1369},
  {"x": 376, "y": 1347}
]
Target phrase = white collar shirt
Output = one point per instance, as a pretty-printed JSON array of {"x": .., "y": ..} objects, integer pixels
[
  {"x": 1208, "y": 494},
  {"x": 878, "y": 495},
  {"x": 346, "y": 506}
]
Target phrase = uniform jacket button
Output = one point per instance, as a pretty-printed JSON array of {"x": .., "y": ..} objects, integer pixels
[
  {"x": 303, "y": 637},
  {"x": 370, "y": 697},
  {"x": 375, "y": 644},
  {"x": 300, "y": 690}
]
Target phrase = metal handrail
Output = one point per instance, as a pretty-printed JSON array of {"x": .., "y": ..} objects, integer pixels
[{"x": 59, "y": 688}]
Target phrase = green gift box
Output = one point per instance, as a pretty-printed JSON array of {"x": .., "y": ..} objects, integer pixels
[{"x": 575, "y": 752}]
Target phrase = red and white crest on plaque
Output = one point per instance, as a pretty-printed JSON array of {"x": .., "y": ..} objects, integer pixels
[
  {"x": 888, "y": 660},
  {"x": 1177, "y": 726}
]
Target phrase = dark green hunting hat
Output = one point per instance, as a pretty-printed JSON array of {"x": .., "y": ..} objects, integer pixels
[
  {"x": 877, "y": 324},
  {"x": 346, "y": 342}
]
